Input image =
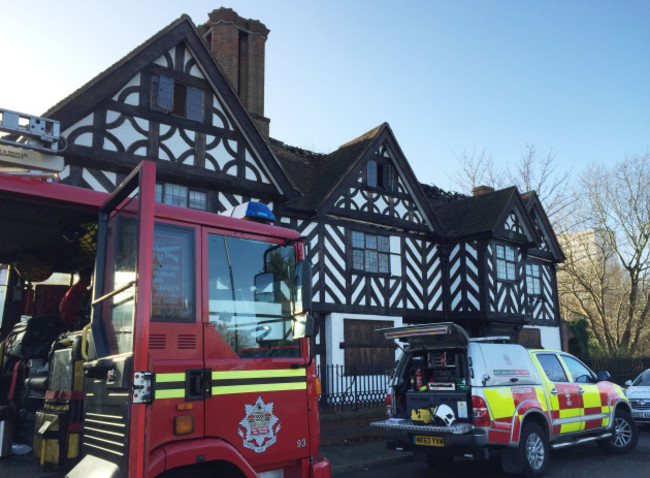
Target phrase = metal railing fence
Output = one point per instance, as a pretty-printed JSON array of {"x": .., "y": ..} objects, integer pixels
[
  {"x": 620, "y": 369},
  {"x": 344, "y": 391}
]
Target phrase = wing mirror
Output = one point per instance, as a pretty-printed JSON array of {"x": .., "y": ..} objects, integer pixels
[
  {"x": 303, "y": 323},
  {"x": 603, "y": 376}
]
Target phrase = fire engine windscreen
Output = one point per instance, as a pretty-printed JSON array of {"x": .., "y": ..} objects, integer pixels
[{"x": 252, "y": 295}]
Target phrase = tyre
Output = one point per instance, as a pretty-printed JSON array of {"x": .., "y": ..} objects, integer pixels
[
  {"x": 534, "y": 450},
  {"x": 625, "y": 434}
]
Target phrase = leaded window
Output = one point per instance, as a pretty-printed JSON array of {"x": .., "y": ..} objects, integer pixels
[
  {"x": 182, "y": 196},
  {"x": 533, "y": 279},
  {"x": 370, "y": 252},
  {"x": 506, "y": 263}
]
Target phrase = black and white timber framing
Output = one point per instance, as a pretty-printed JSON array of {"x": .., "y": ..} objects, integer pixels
[{"x": 382, "y": 245}]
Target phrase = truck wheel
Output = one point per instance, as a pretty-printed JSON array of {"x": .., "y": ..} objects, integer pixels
[
  {"x": 625, "y": 434},
  {"x": 534, "y": 450}
]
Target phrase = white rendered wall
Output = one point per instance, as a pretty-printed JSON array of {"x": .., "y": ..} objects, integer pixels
[{"x": 550, "y": 336}]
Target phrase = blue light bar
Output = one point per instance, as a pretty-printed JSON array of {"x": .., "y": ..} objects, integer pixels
[{"x": 251, "y": 210}]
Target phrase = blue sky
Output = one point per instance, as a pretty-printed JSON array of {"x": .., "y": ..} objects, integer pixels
[{"x": 569, "y": 76}]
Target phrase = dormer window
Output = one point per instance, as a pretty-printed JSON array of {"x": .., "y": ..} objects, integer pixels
[
  {"x": 379, "y": 175},
  {"x": 170, "y": 96}
]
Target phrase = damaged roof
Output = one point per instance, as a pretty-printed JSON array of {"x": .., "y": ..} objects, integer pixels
[
  {"x": 474, "y": 215},
  {"x": 316, "y": 175}
]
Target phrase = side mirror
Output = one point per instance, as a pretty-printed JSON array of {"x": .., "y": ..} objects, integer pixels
[
  {"x": 603, "y": 376},
  {"x": 303, "y": 287},
  {"x": 628, "y": 383},
  {"x": 303, "y": 326}
]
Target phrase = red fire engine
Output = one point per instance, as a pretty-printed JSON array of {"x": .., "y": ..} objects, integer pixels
[{"x": 195, "y": 360}]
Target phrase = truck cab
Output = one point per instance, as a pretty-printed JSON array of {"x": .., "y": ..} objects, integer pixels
[{"x": 196, "y": 357}]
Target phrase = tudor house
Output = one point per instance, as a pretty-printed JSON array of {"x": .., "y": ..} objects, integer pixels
[{"x": 385, "y": 249}]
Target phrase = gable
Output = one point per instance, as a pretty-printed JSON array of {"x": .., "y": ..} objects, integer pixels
[
  {"x": 544, "y": 243},
  {"x": 381, "y": 187},
  {"x": 499, "y": 214},
  {"x": 379, "y": 190},
  {"x": 548, "y": 244},
  {"x": 516, "y": 223},
  {"x": 168, "y": 101}
]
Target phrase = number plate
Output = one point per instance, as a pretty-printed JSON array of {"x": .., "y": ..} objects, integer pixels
[
  {"x": 428, "y": 441},
  {"x": 641, "y": 414}
]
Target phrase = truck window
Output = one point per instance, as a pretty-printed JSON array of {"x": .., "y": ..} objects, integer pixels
[
  {"x": 552, "y": 367},
  {"x": 251, "y": 292},
  {"x": 579, "y": 372},
  {"x": 120, "y": 271},
  {"x": 172, "y": 287}
]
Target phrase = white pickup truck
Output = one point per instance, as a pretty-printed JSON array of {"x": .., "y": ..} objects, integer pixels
[{"x": 454, "y": 395}]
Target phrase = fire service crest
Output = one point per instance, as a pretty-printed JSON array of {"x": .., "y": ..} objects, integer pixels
[{"x": 259, "y": 427}]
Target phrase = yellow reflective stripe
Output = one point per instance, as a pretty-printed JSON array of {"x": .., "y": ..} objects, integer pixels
[
  {"x": 170, "y": 385},
  {"x": 170, "y": 377},
  {"x": 277, "y": 387},
  {"x": 235, "y": 381},
  {"x": 227, "y": 382},
  {"x": 175, "y": 393},
  {"x": 234, "y": 374}
]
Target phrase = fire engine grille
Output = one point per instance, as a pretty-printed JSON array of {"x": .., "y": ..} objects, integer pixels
[
  {"x": 186, "y": 341},
  {"x": 158, "y": 341},
  {"x": 105, "y": 434}
]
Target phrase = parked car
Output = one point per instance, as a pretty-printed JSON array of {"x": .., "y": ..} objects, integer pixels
[
  {"x": 455, "y": 395},
  {"x": 638, "y": 392}
]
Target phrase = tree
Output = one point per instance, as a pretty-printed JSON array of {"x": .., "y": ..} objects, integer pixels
[
  {"x": 605, "y": 277},
  {"x": 533, "y": 172},
  {"x": 476, "y": 169}
]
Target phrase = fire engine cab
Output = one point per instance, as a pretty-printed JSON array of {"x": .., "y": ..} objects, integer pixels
[{"x": 186, "y": 352}]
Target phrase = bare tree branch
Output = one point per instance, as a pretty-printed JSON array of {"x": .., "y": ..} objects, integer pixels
[{"x": 606, "y": 272}]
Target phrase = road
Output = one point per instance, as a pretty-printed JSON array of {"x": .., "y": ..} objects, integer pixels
[{"x": 584, "y": 461}]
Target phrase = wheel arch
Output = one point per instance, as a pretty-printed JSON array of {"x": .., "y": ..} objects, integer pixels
[
  {"x": 538, "y": 417},
  {"x": 205, "y": 453},
  {"x": 621, "y": 405}
]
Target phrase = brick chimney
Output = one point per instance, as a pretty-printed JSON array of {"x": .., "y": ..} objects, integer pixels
[
  {"x": 238, "y": 45},
  {"x": 479, "y": 190}
]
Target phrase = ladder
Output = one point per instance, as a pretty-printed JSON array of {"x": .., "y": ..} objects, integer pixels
[
  {"x": 30, "y": 142},
  {"x": 42, "y": 134}
]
